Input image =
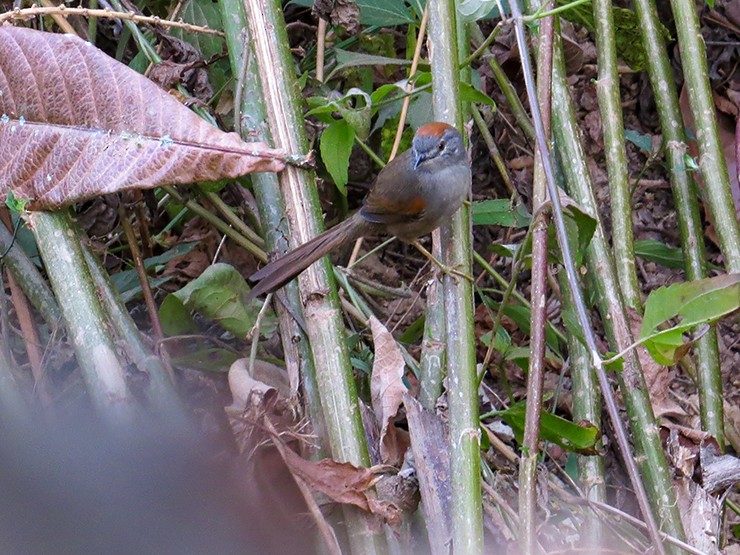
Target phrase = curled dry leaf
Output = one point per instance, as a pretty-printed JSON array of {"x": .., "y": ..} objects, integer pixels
[
  {"x": 244, "y": 385},
  {"x": 341, "y": 482},
  {"x": 387, "y": 390},
  {"x": 75, "y": 123}
]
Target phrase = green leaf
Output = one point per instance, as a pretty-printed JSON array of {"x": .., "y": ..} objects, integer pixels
[
  {"x": 206, "y": 13},
  {"x": 127, "y": 282},
  {"x": 521, "y": 316},
  {"x": 355, "y": 107},
  {"x": 468, "y": 93},
  {"x": 473, "y": 10},
  {"x": 573, "y": 437},
  {"x": 579, "y": 227},
  {"x": 694, "y": 303},
  {"x": 175, "y": 317},
  {"x": 206, "y": 358},
  {"x": 336, "y": 146},
  {"x": 690, "y": 163},
  {"x": 219, "y": 294},
  {"x": 660, "y": 253},
  {"x": 347, "y": 58},
  {"x": 413, "y": 332},
  {"x": 640, "y": 140},
  {"x": 500, "y": 212},
  {"x": 14, "y": 203},
  {"x": 385, "y": 13}
]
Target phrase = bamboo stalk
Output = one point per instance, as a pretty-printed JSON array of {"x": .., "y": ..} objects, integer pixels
[
  {"x": 87, "y": 325},
  {"x": 607, "y": 90},
  {"x": 717, "y": 196},
  {"x": 160, "y": 392},
  {"x": 323, "y": 316},
  {"x": 252, "y": 122},
  {"x": 684, "y": 192},
  {"x": 447, "y": 44},
  {"x": 29, "y": 278},
  {"x": 655, "y": 472}
]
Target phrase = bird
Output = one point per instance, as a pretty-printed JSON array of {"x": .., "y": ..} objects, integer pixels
[{"x": 413, "y": 195}]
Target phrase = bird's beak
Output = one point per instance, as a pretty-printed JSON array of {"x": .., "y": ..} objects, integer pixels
[{"x": 418, "y": 158}]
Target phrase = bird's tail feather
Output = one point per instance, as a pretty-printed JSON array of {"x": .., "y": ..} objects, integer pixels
[{"x": 279, "y": 272}]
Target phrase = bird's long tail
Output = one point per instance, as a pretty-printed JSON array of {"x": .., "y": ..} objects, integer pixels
[{"x": 279, "y": 272}]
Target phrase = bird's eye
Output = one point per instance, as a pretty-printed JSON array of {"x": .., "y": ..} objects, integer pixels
[{"x": 441, "y": 145}]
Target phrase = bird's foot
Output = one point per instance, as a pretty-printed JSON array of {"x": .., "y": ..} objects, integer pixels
[{"x": 451, "y": 271}]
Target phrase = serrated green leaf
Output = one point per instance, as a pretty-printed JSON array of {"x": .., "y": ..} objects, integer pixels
[{"x": 336, "y": 145}]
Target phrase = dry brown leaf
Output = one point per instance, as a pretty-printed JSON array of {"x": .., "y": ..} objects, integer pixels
[
  {"x": 341, "y": 482},
  {"x": 387, "y": 391},
  {"x": 265, "y": 377},
  {"x": 75, "y": 123}
]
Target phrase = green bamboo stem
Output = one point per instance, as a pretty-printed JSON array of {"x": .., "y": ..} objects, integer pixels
[
  {"x": 87, "y": 325},
  {"x": 322, "y": 313},
  {"x": 508, "y": 90},
  {"x": 655, "y": 472},
  {"x": 538, "y": 316},
  {"x": 160, "y": 391},
  {"x": 687, "y": 209},
  {"x": 29, "y": 278},
  {"x": 13, "y": 408},
  {"x": 711, "y": 160},
  {"x": 607, "y": 90},
  {"x": 232, "y": 219},
  {"x": 586, "y": 406},
  {"x": 252, "y": 123},
  {"x": 218, "y": 223},
  {"x": 433, "y": 355},
  {"x": 717, "y": 196},
  {"x": 448, "y": 42}
]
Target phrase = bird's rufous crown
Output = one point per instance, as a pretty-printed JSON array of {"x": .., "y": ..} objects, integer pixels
[{"x": 434, "y": 129}]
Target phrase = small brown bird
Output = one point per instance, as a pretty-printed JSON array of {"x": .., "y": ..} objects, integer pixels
[{"x": 412, "y": 196}]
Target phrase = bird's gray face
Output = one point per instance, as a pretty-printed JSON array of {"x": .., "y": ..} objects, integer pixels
[{"x": 446, "y": 150}]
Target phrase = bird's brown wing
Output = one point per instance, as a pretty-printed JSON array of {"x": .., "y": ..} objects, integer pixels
[{"x": 393, "y": 199}]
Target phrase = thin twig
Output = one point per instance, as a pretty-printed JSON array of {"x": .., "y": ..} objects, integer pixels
[
  {"x": 64, "y": 11},
  {"x": 320, "y": 49}
]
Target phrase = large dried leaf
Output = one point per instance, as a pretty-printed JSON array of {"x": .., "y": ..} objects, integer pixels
[
  {"x": 75, "y": 123},
  {"x": 340, "y": 481},
  {"x": 387, "y": 390}
]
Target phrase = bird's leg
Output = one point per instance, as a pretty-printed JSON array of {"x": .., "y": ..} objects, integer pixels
[{"x": 451, "y": 271}]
